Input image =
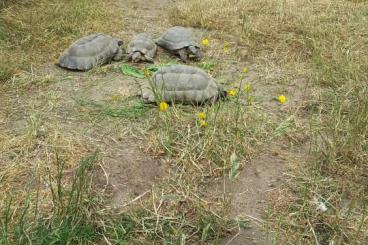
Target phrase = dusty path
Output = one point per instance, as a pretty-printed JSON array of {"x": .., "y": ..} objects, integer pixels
[
  {"x": 143, "y": 16},
  {"x": 248, "y": 194}
]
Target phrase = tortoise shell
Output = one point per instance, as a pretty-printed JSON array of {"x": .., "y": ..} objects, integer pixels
[
  {"x": 181, "y": 83},
  {"x": 143, "y": 43},
  {"x": 177, "y": 37},
  {"x": 90, "y": 51}
]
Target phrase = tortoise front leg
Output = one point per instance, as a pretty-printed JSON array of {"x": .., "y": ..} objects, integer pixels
[
  {"x": 120, "y": 55},
  {"x": 183, "y": 55},
  {"x": 149, "y": 59}
]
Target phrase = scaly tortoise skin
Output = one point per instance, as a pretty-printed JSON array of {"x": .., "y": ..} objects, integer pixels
[
  {"x": 182, "y": 84},
  {"x": 180, "y": 41},
  {"x": 142, "y": 48},
  {"x": 90, "y": 51}
]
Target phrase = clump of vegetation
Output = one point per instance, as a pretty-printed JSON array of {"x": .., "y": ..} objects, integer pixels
[
  {"x": 29, "y": 38},
  {"x": 207, "y": 137}
]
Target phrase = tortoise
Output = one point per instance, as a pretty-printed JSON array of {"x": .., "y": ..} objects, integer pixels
[
  {"x": 180, "y": 41},
  {"x": 142, "y": 48},
  {"x": 183, "y": 84},
  {"x": 90, "y": 51}
]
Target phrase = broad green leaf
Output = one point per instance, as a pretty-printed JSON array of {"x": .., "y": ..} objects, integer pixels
[
  {"x": 155, "y": 67},
  {"x": 151, "y": 67},
  {"x": 243, "y": 224},
  {"x": 207, "y": 65},
  {"x": 131, "y": 71},
  {"x": 235, "y": 164},
  {"x": 205, "y": 232}
]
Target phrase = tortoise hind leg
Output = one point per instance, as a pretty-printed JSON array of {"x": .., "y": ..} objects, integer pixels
[{"x": 183, "y": 55}]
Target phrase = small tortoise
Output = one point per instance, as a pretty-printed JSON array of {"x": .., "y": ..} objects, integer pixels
[
  {"x": 91, "y": 51},
  {"x": 182, "y": 83},
  {"x": 142, "y": 48},
  {"x": 180, "y": 41}
]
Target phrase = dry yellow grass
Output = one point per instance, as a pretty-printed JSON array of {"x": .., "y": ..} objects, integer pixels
[
  {"x": 28, "y": 37},
  {"x": 325, "y": 43},
  {"x": 32, "y": 146}
]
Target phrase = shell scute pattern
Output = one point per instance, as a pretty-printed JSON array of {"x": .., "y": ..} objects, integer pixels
[
  {"x": 181, "y": 83},
  {"x": 177, "y": 37},
  {"x": 142, "y": 48}
]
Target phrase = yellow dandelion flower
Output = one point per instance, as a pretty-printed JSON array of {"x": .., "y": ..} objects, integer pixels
[
  {"x": 247, "y": 88},
  {"x": 226, "y": 47},
  {"x": 163, "y": 106},
  {"x": 232, "y": 92},
  {"x": 282, "y": 99},
  {"x": 202, "y": 115},
  {"x": 147, "y": 73},
  {"x": 205, "y": 42},
  {"x": 203, "y": 123},
  {"x": 245, "y": 70}
]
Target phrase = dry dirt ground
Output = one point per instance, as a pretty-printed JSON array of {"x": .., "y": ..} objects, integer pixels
[{"x": 128, "y": 170}]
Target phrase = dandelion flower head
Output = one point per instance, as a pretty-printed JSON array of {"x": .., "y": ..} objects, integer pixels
[
  {"x": 202, "y": 115},
  {"x": 282, "y": 99},
  {"x": 232, "y": 92},
  {"x": 163, "y": 106},
  {"x": 205, "y": 42},
  {"x": 203, "y": 123}
]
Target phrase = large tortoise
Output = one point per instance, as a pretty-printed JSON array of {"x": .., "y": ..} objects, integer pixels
[
  {"x": 90, "y": 51},
  {"x": 183, "y": 84},
  {"x": 142, "y": 48},
  {"x": 180, "y": 41}
]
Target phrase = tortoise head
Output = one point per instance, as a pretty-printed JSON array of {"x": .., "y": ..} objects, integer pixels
[
  {"x": 148, "y": 59},
  {"x": 222, "y": 93},
  {"x": 195, "y": 51},
  {"x": 120, "y": 43}
]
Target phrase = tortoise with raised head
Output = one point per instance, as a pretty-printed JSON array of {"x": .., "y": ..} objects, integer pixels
[
  {"x": 180, "y": 41},
  {"x": 90, "y": 51},
  {"x": 142, "y": 48},
  {"x": 183, "y": 84}
]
